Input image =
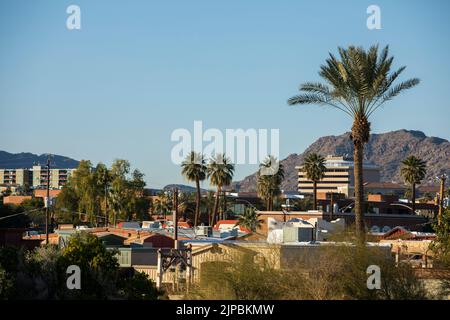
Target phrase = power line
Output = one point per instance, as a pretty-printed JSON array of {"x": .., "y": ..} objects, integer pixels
[{"x": 18, "y": 214}]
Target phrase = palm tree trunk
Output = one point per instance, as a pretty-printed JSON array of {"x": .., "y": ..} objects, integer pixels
[
  {"x": 314, "y": 195},
  {"x": 197, "y": 202},
  {"x": 359, "y": 192},
  {"x": 216, "y": 205},
  {"x": 224, "y": 204},
  {"x": 413, "y": 198}
]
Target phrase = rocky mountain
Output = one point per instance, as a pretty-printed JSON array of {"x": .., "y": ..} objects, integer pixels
[
  {"x": 386, "y": 150},
  {"x": 27, "y": 160}
]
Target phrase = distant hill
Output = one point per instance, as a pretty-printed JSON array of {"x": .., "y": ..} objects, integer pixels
[
  {"x": 386, "y": 150},
  {"x": 182, "y": 188},
  {"x": 27, "y": 160}
]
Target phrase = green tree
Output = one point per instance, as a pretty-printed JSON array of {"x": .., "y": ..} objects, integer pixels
[
  {"x": 83, "y": 183},
  {"x": 314, "y": 168},
  {"x": 115, "y": 192},
  {"x": 358, "y": 83},
  {"x": 41, "y": 273},
  {"x": 441, "y": 245},
  {"x": 99, "y": 267},
  {"x": 163, "y": 204},
  {"x": 9, "y": 263},
  {"x": 67, "y": 204},
  {"x": 45, "y": 273},
  {"x": 7, "y": 192},
  {"x": 33, "y": 203},
  {"x": 119, "y": 189},
  {"x": 427, "y": 196},
  {"x": 194, "y": 169},
  {"x": 6, "y": 284},
  {"x": 8, "y": 220},
  {"x": 269, "y": 179},
  {"x": 263, "y": 189},
  {"x": 207, "y": 203},
  {"x": 138, "y": 204},
  {"x": 220, "y": 171},
  {"x": 139, "y": 287},
  {"x": 102, "y": 178},
  {"x": 249, "y": 220},
  {"x": 413, "y": 172},
  {"x": 127, "y": 191},
  {"x": 441, "y": 248}
]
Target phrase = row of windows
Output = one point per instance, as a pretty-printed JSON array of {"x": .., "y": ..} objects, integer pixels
[
  {"x": 318, "y": 187},
  {"x": 324, "y": 182},
  {"x": 337, "y": 170},
  {"x": 326, "y": 176}
]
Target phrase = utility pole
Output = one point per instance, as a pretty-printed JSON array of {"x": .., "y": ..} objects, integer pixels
[
  {"x": 189, "y": 267},
  {"x": 224, "y": 204},
  {"x": 159, "y": 269},
  {"x": 47, "y": 201},
  {"x": 442, "y": 178},
  {"x": 287, "y": 209},
  {"x": 175, "y": 217},
  {"x": 106, "y": 180},
  {"x": 331, "y": 206}
]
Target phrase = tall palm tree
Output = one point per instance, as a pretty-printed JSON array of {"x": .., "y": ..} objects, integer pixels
[
  {"x": 270, "y": 177},
  {"x": 413, "y": 171},
  {"x": 249, "y": 220},
  {"x": 358, "y": 83},
  {"x": 163, "y": 204},
  {"x": 207, "y": 203},
  {"x": 194, "y": 169},
  {"x": 220, "y": 171},
  {"x": 263, "y": 189},
  {"x": 314, "y": 168}
]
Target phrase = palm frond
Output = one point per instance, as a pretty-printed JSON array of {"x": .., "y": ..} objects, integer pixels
[
  {"x": 314, "y": 99},
  {"x": 357, "y": 81},
  {"x": 395, "y": 91}
]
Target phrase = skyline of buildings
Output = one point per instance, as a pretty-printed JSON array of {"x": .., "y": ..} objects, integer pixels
[
  {"x": 35, "y": 177},
  {"x": 199, "y": 66}
]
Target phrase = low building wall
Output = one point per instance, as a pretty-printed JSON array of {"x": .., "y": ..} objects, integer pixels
[
  {"x": 15, "y": 200},
  {"x": 412, "y": 222}
]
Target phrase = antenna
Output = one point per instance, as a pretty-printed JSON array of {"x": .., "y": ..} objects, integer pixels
[{"x": 51, "y": 159}]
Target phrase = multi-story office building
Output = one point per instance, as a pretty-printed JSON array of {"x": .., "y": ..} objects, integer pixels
[
  {"x": 35, "y": 177},
  {"x": 338, "y": 178}
]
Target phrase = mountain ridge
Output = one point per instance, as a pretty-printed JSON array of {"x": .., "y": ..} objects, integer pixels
[
  {"x": 27, "y": 160},
  {"x": 386, "y": 150}
]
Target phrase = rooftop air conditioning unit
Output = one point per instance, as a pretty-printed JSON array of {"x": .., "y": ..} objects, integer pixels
[{"x": 204, "y": 231}]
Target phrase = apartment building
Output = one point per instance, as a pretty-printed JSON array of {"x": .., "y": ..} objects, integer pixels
[
  {"x": 16, "y": 177},
  {"x": 35, "y": 177},
  {"x": 338, "y": 178},
  {"x": 58, "y": 177}
]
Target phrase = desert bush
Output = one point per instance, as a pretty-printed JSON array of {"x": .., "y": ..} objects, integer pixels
[{"x": 336, "y": 272}]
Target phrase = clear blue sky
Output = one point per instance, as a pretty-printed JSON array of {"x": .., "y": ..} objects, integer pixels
[{"x": 137, "y": 70}]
